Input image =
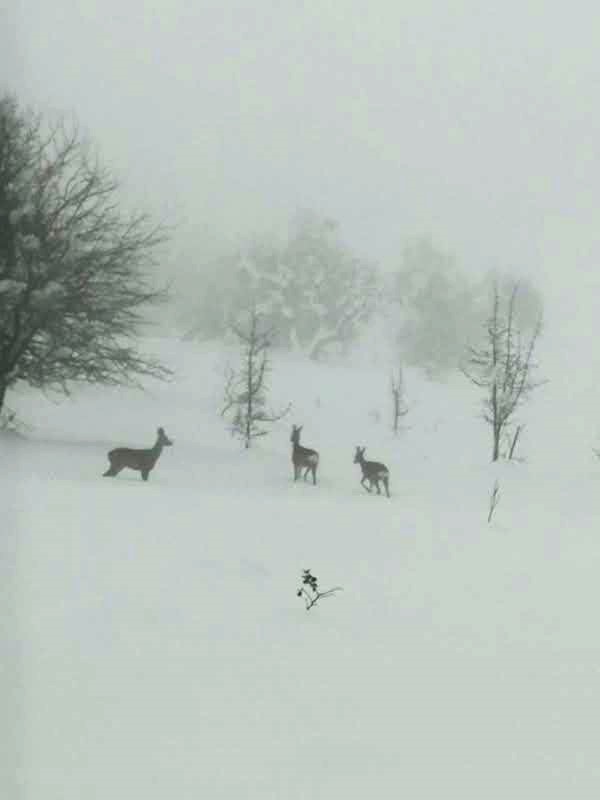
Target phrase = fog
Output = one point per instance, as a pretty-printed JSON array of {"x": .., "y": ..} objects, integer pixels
[{"x": 475, "y": 124}]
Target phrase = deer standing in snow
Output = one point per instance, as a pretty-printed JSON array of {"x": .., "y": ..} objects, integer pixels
[
  {"x": 372, "y": 471},
  {"x": 303, "y": 458},
  {"x": 141, "y": 460}
]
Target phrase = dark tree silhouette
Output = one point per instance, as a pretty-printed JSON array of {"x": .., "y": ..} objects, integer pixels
[{"x": 73, "y": 268}]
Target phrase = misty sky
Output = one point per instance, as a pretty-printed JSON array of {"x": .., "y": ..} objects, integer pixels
[{"x": 475, "y": 122}]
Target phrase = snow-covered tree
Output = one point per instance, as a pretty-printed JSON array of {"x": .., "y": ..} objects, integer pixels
[
  {"x": 73, "y": 279},
  {"x": 309, "y": 287},
  {"x": 529, "y": 308},
  {"x": 439, "y": 308},
  {"x": 503, "y": 366}
]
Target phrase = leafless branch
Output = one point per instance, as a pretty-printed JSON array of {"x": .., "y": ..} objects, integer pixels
[
  {"x": 245, "y": 389},
  {"x": 82, "y": 264}
]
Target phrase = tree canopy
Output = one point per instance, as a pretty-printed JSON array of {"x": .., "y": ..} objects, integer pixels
[{"x": 74, "y": 278}]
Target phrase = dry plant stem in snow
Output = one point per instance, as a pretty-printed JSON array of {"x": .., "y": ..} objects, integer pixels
[
  {"x": 310, "y": 590},
  {"x": 494, "y": 500}
]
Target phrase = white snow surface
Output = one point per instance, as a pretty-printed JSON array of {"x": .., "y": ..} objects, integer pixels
[{"x": 154, "y": 646}]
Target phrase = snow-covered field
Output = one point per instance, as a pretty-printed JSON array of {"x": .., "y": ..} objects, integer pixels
[{"x": 154, "y": 646}]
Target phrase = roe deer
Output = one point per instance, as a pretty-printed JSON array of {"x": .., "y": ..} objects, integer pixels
[
  {"x": 141, "y": 460},
  {"x": 303, "y": 458},
  {"x": 372, "y": 471}
]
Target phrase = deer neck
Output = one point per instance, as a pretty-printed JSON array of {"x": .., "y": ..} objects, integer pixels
[{"x": 300, "y": 449}]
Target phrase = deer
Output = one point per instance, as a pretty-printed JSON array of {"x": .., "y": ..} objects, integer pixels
[
  {"x": 303, "y": 458},
  {"x": 372, "y": 471},
  {"x": 143, "y": 461}
]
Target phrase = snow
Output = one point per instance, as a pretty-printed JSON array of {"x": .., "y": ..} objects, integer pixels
[
  {"x": 29, "y": 242},
  {"x": 11, "y": 287},
  {"x": 17, "y": 214},
  {"x": 154, "y": 645},
  {"x": 51, "y": 293}
]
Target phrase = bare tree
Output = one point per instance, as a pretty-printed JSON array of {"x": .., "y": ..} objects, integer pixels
[
  {"x": 503, "y": 366},
  {"x": 74, "y": 269},
  {"x": 245, "y": 399},
  {"x": 399, "y": 408}
]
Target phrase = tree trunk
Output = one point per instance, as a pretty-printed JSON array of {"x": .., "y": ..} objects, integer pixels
[
  {"x": 397, "y": 414},
  {"x": 250, "y": 386},
  {"x": 496, "y": 425},
  {"x": 496, "y": 452}
]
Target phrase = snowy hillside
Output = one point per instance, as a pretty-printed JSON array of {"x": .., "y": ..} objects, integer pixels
[{"x": 155, "y": 646}]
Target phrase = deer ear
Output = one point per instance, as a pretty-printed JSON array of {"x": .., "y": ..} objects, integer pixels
[{"x": 160, "y": 430}]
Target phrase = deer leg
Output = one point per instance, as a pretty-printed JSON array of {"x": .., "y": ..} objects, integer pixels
[
  {"x": 362, "y": 483},
  {"x": 387, "y": 488},
  {"x": 111, "y": 471},
  {"x": 145, "y": 473},
  {"x": 377, "y": 487},
  {"x": 314, "y": 474}
]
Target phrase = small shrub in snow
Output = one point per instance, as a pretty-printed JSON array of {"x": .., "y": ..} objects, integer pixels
[{"x": 310, "y": 590}]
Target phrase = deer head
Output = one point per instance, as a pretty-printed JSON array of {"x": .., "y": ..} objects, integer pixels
[
  {"x": 295, "y": 437},
  {"x": 359, "y": 454},
  {"x": 163, "y": 439}
]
